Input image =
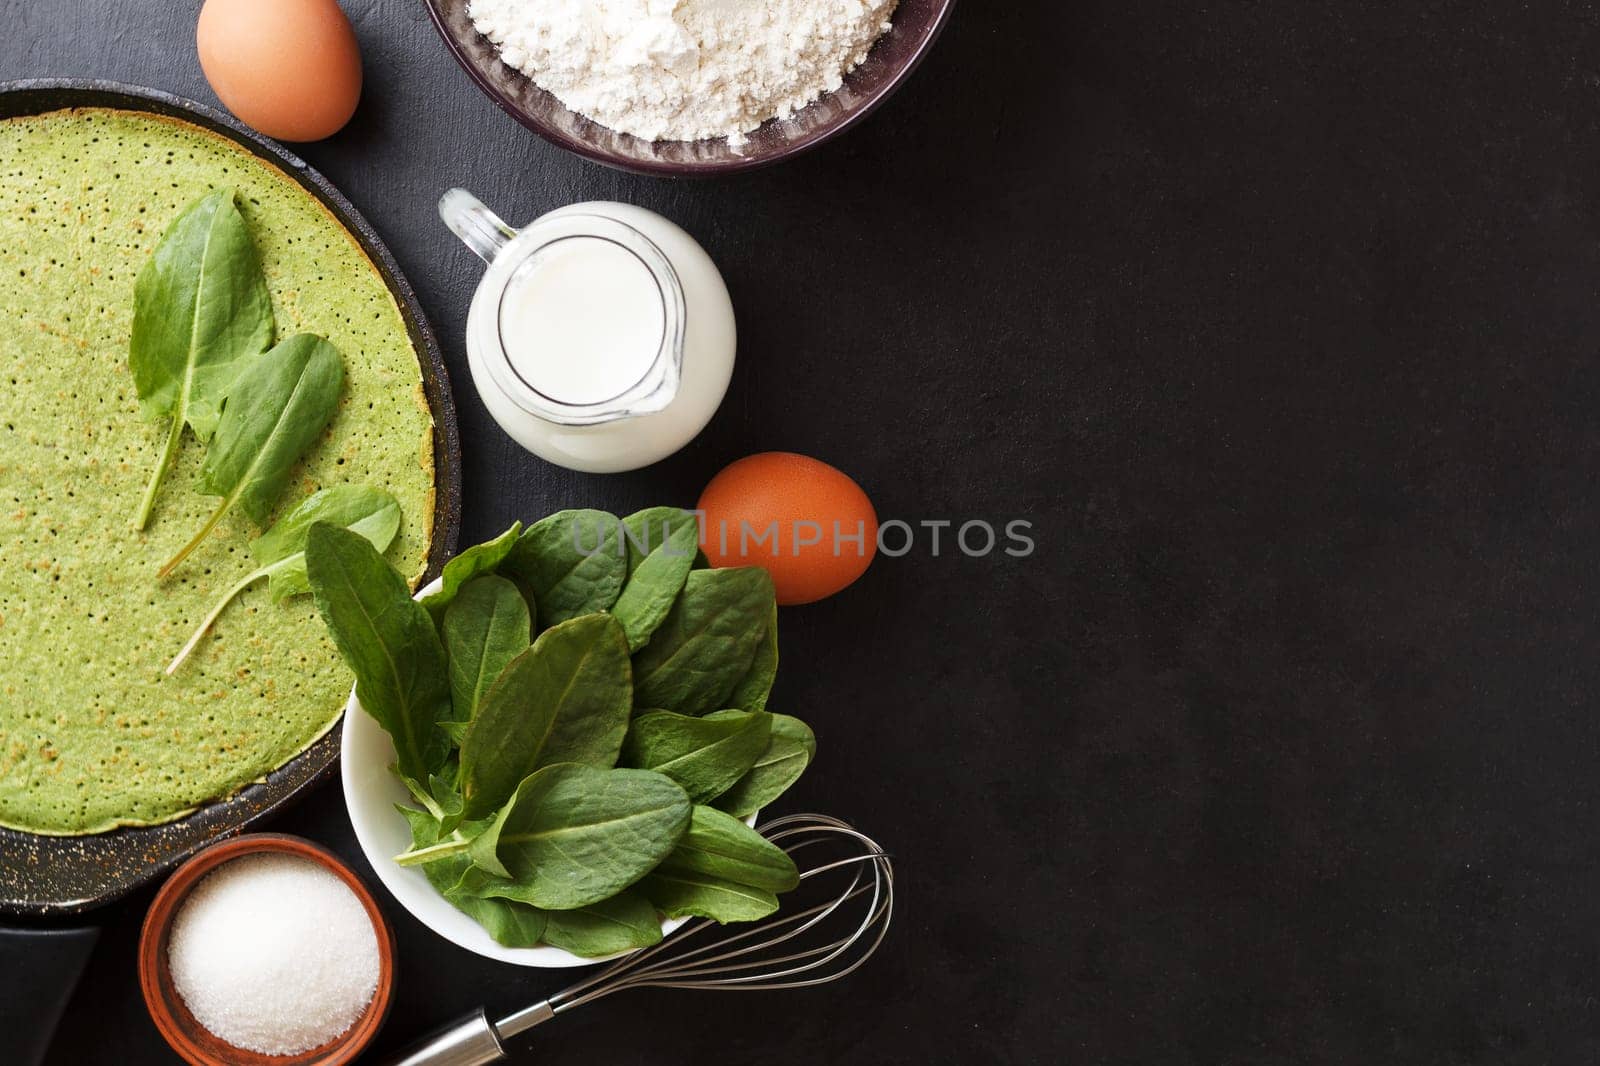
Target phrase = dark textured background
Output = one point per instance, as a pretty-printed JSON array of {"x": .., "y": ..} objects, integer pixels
[{"x": 1280, "y": 321}]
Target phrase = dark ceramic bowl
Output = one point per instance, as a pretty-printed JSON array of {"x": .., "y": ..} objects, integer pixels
[{"x": 915, "y": 25}]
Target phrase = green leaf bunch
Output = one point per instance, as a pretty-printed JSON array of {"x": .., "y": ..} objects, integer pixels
[{"x": 580, "y": 712}]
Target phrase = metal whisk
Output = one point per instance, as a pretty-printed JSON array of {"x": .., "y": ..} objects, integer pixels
[{"x": 814, "y": 946}]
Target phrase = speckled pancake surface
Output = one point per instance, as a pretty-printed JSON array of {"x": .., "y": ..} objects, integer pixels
[{"x": 92, "y": 733}]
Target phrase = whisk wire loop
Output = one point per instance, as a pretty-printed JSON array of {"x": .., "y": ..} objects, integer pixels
[{"x": 744, "y": 960}]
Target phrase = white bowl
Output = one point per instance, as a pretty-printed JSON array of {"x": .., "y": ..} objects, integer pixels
[{"x": 370, "y": 794}]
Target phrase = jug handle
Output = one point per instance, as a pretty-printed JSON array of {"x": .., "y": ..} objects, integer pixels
[{"x": 479, "y": 228}]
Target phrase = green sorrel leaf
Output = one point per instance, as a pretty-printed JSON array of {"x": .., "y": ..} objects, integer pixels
[
  {"x": 476, "y": 561},
  {"x": 707, "y": 756},
  {"x": 721, "y": 846},
  {"x": 388, "y": 641},
  {"x": 574, "y": 835},
  {"x": 200, "y": 309},
  {"x": 281, "y": 551},
  {"x": 707, "y": 642},
  {"x": 722, "y": 870},
  {"x": 567, "y": 699},
  {"x": 622, "y": 923},
  {"x": 573, "y": 563},
  {"x": 655, "y": 581},
  {"x": 486, "y": 625},
  {"x": 753, "y": 690},
  {"x": 790, "y": 750},
  {"x": 276, "y": 408}
]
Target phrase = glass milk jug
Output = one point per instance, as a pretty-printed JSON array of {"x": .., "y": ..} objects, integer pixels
[{"x": 601, "y": 337}]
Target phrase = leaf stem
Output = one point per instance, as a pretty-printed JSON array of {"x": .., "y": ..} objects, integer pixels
[
  {"x": 442, "y": 850},
  {"x": 419, "y": 794},
  {"x": 205, "y": 531},
  {"x": 148, "y": 504},
  {"x": 205, "y": 624}
]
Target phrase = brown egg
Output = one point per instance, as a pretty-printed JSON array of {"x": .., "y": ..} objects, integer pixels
[
  {"x": 288, "y": 68},
  {"x": 823, "y": 529}
]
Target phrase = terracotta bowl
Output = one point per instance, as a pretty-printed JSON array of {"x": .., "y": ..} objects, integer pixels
[
  {"x": 912, "y": 31},
  {"x": 188, "y": 1037}
]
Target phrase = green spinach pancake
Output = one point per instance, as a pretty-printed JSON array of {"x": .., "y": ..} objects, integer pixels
[{"x": 93, "y": 734}]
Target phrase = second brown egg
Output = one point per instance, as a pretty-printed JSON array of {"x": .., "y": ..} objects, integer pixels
[{"x": 290, "y": 69}]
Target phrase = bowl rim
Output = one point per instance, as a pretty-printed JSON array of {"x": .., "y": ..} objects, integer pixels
[
  {"x": 155, "y": 978},
  {"x": 408, "y": 885},
  {"x": 708, "y": 169}
]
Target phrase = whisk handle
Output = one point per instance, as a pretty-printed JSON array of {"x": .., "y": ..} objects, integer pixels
[{"x": 468, "y": 1041}]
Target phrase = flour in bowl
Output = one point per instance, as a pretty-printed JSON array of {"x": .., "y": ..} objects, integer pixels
[{"x": 684, "y": 70}]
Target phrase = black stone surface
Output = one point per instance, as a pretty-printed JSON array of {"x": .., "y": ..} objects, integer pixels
[{"x": 1280, "y": 322}]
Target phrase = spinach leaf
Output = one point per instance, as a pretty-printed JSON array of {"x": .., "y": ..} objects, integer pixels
[
  {"x": 281, "y": 551},
  {"x": 655, "y": 581},
  {"x": 516, "y": 925},
  {"x": 513, "y": 924},
  {"x": 573, "y": 562},
  {"x": 476, "y": 561},
  {"x": 707, "y": 756},
  {"x": 707, "y": 642},
  {"x": 721, "y": 846},
  {"x": 567, "y": 699},
  {"x": 421, "y": 795},
  {"x": 485, "y": 627},
  {"x": 493, "y": 886},
  {"x": 440, "y": 798},
  {"x": 752, "y": 691},
  {"x": 452, "y": 875},
  {"x": 425, "y": 833},
  {"x": 388, "y": 641},
  {"x": 574, "y": 835},
  {"x": 450, "y": 849},
  {"x": 645, "y": 531},
  {"x": 200, "y": 308},
  {"x": 276, "y": 408},
  {"x": 789, "y": 751},
  {"x": 622, "y": 923},
  {"x": 679, "y": 894},
  {"x": 722, "y": 870},
  {"x": 447, "y": 797}
]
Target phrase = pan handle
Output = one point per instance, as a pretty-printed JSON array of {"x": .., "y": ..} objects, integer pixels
[{"x": 53, "y": 959}]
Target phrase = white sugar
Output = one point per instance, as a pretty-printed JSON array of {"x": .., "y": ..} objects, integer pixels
[{"x": 275, "y": 954}]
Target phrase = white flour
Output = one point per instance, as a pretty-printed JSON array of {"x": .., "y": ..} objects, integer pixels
[{"x": 683, "y": 70}]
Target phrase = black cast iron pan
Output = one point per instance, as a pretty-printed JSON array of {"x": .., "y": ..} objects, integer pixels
[{"x": 40, "y": 875}]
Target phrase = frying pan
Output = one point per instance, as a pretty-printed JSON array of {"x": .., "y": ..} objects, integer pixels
[{"x": 41, "y": 875}]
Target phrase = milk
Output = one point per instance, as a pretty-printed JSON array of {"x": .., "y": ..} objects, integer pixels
[
  {"x": 582, "y": 320},
  {"x": 601, "y": 337}
]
